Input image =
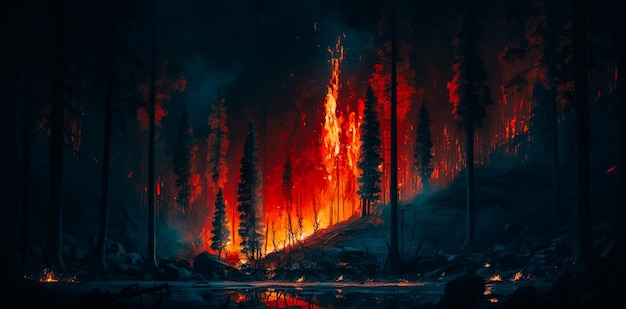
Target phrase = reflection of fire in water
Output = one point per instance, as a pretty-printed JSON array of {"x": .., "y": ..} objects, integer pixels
[{"x": 272, "y": 299}]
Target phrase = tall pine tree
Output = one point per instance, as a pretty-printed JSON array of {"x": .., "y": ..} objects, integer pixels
[
  {"x": 469, "y": 95},
  {"x": 248, "y": 198},
  {"x": 183, "y": 153},
  {"x": 221, "y": 234},
  {"x": 217, "y": 148},
  {"x": 371, "y": 158},
  {"x": 423, "y": 153},
  {"x": 217, "y": 141}
]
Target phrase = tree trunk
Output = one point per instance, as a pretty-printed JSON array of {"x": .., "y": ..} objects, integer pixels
[
  {"x": 553, "y": 121},
  {"x": 393, "y": 181},
  {"x": 151, "y": 262},
  {"x": 554, "y": 152},
  {"x": 54, "y": 257},
  {"x": 9, "y": 96},
  {"x": 99, "y": 260},
  {"x": 581, "y": 88},
  {"x": 425, "y": 184},
  {"x": 620, "y": 229},
  {"x": 470, "y": 240},
  {"x": 26, "y": 100},
  {"x": 363, "y": 207}
]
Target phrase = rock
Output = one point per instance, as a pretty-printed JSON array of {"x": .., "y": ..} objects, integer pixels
[
  {"x": 523, "y": 297},
  {"x": 513, "y": 229},
  {"x": 174, "y": 273},
  {"x": 467, "y": 289},
  {"x": 115, "y": 248},
  {"x": 209, "y": 266}
]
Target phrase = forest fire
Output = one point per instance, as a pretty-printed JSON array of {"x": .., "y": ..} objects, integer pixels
[
  {"x": 319, "y": 189},
  {"x": 309, "y": 148}
]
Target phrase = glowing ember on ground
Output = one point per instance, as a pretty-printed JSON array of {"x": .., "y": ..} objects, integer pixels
[
  {"x": 495, "y": 277},
  {"x": 517, "y": 276},
  {"x": 48, "y": 276},
  {"x": 488, "y": 289}
]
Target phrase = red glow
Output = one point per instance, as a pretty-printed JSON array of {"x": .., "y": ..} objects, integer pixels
[
  {"x": 611, "y": 169},
  {"x": 323, "y": 146},
  {"x": 164, "y": 84}
]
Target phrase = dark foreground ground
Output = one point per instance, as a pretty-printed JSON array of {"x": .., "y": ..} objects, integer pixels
[{"x": 517, "y": 264}]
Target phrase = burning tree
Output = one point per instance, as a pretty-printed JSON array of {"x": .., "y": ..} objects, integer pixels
[
  {"x": 371, "y": 160},
  {"x": 423, "y": 153},
  {"x": 288, "y": 200},
  {"x": 248, "y": 193},
  {"x": 182, "y": 162},
  {"x": 218, "y": 141},
  {"x": 217, "y": 146},
  {"x": 221, "y": 234},
  {"x": 469, "y": 96}
]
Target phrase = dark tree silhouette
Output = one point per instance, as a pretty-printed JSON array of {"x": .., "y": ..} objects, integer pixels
[
  {"x": 249, "y": 202},
  {"x": 217, "y": 147},
  {"x": 54, "y": 255},
  {"x": 581, "y": 92},
  {"x": 370, "y": 159},
  {"x": 394, "y": 248},
  {"x": 99, "y": 264},
  {"x": 470, "y": 96},
  {"x": 547, "y": 41},
  {"x": 26, "y": 66},
  {"x": 218, "y": 140},
  {"x": 423, "y": 153},
  {"x": 183, "y": 153},
  {"x": 221, "y": 234},
  {"x": 151, "y": 263},
  {"x": 287, "y": 187},
  {"x": 617, "y": 24}
]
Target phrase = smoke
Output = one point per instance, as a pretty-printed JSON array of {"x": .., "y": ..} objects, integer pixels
[{"x": 263, "y": 53}]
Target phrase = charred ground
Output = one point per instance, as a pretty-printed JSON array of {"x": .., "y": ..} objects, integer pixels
[{"x": 517, "y": 238}]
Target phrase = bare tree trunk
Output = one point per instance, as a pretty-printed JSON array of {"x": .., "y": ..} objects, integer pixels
[
  {"x": 9, "y": 96},
  {"x": 581, "y": 88},
  {"x": 27, "y": 123},
  {"x": 470, "y": 240},
  {"x": 619, "y": 254},
  {"x": 151, "y": 263},
  {"x": 621, "y": 163},
  {"x": 553, "y": 114},
  {"x": 54, "y": 258},
  {"x": 363, "y": 209},
  {"x": 425, "y": 184},
  {"x": 99, "y": 260},
  {"x": 393, "y": 181}
]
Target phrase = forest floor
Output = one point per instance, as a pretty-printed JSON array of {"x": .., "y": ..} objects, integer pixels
[{"x": 346, "y": 266}]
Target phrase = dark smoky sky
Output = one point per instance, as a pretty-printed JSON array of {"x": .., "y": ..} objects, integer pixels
[
  {"x": 271, "y": 57},
  {"x": 261, "y": 52}
]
